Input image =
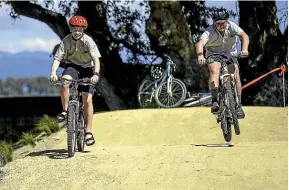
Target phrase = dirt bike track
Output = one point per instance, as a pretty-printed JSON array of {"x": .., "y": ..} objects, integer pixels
[{"x": 180, "y": 148}]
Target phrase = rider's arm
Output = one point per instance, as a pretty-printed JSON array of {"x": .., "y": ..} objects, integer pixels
[
  {"x": 240, "y": 32},
  {"x": 200, "y": 46},
  {"x": 245, "y": 41},
  {"x": 55, "y": 66},
  {"x": 96, "y": 65},
  {"x": 94, "y": 53},
  {"x": 58, "y": 57},
  {"x": 203, "y": 40}
]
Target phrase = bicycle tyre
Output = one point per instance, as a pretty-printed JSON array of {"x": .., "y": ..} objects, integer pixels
[
  {"x": 71, "y": 129},
  {"x": 232, "y": 105},
  {"x": 228, "y": 135},
  {"x": 146, "y": 81},
  {"x": 81, "y": 132},
  {"x": 164, "y": 85}
]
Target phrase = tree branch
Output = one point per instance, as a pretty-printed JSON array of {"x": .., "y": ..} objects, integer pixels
[{"x": 54, "y": 20}]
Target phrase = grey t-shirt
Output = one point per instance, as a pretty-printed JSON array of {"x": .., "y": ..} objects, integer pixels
[
  {"x": 216, "y": 43},
  {"x": 81, "y": 52}
]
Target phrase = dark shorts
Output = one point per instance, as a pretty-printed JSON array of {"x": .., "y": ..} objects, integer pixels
[
  {"x": 217, "y": 58},
  {"x": 78, "y": 72}
]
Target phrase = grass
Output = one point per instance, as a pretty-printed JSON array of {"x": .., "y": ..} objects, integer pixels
[
  {"x": 47, "y": 124},
  {"x": 6, "y": 152},
  {"x": 28, "y": 138}
]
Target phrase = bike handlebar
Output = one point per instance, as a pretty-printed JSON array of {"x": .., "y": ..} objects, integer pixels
[
  {"x": 83, "y": 81},
  {"x": 226, "y": 58}
]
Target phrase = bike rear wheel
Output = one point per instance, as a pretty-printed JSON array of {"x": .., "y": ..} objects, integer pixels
[
  {"x": 81, "y": 132},
  {"x": 145, "y": 98},
  {"x": 165, "y": 100},
  {"x": 71, "y": 128},
  {"x": 232, "y": 106}
]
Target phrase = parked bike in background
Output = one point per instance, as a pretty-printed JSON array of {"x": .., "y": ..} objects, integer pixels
[{"x": 161, "y": 87}]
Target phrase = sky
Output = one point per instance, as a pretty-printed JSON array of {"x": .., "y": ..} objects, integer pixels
[{"x": 31, "y": 35}]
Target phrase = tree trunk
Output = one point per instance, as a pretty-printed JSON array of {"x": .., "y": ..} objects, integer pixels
[
  {"x": 121, "y": 80},
  {"x": 169, "y": 33},
  {"x": 268, "y": 50},
  {"x": 94, "y": 12}
]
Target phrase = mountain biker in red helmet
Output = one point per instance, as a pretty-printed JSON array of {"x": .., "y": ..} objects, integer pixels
[
  {"x": 220, "y": 37},
  {"x": 81, "y": 56}
]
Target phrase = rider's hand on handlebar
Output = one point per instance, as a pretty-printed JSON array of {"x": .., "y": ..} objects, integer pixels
[
  {"x": 94, "y": 79},
  {"x": 53, "y": 77},
  {"x": 244, "y": 53},
  {"x": 201, "y": 59}
]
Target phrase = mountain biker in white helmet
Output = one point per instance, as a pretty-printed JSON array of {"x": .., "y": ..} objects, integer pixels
[
  {"x": 81, "y": 57},
  {"x": 221, "y": 37}
]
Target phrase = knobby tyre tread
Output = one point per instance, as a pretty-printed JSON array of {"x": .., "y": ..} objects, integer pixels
[
  {"x": 232, "y": 104},
  {"x": 228, "y": 135},
  {"x": 71, "y": 126},
  {"x": 81, "y": 133},
  {"x": 225, "y": 125}
]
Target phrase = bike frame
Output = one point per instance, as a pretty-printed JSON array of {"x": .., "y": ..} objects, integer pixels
[
  {"x": 225, "y": 76},
  {"x": 75, "y": 98}
]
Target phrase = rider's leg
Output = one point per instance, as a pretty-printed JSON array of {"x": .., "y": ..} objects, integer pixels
[
  {"x": 65, "y": 93},
  {"x": 214, "y": 68},
  {"x": 88, "y": 110},
  {"x": 68, "y": 73},
  {"x": 87, "y": 93}
]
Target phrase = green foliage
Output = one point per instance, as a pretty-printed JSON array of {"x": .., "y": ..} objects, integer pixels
[
  {"x": 6, "y": 152},
  {"x": 28, "y": 138},
  {"x": 47, "y": 125}
]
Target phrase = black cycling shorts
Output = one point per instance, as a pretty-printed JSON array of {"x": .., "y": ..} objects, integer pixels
[
  {"x": 217, "y": 58},
  {"x": 78, "y": 72}
]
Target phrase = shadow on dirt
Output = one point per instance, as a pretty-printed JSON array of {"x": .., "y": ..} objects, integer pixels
[
  {"x": 215, "y": 145},
  {"x": 53, "y": 154}
]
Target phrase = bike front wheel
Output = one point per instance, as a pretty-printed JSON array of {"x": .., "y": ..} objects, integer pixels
[
  {"x": 227, "y": 130},
  {"x": 71, "y": 128},
  {"x": 173, "y": 99},
  {"x": 232, "y": 106}
]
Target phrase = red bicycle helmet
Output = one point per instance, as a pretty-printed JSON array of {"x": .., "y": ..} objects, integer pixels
[{"x": 78, "y": 21}]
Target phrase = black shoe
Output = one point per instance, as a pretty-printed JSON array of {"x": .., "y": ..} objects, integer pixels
[
  {"x": 240, "y": 113},
  {"x": 215, "y": 107}
]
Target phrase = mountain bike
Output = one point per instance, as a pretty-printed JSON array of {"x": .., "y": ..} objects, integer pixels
[
  {"x": 75, "y": 115},
  {"x": 161, "y": 87},
  {"x": 227, "y": 98}
]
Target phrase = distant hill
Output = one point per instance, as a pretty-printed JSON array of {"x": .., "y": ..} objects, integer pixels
[{"x": 25, "y": 64}]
